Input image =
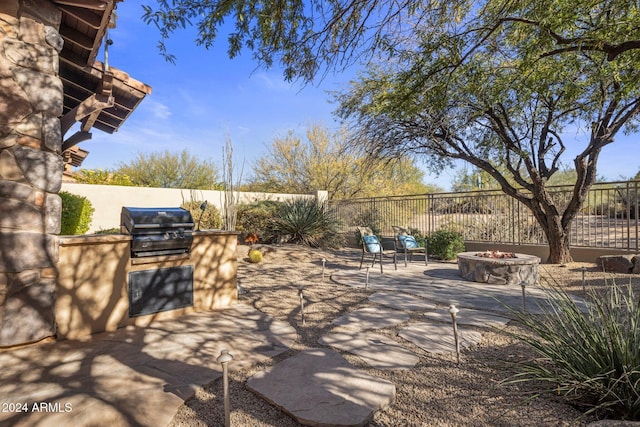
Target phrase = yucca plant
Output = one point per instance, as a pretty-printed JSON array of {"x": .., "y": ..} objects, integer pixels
[
  {"x": 590, "y": 355},
  {"x": 305, "y": 221}
]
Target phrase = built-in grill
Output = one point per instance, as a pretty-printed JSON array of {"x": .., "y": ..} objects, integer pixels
[{"x": 158, "y": 231}]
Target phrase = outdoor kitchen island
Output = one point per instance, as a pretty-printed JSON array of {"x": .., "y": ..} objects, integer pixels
[{"x": 94, "y": 273}]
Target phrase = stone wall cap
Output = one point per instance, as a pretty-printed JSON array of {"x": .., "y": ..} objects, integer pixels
[
  {"x": 519, "y": 259},
  {"x": 93, "y": 238},
  {"x": 215, "y": 232},
  {"x": 85, "y": 239}
]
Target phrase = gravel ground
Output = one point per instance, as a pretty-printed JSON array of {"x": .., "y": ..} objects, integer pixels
[{"x": 437, "y": 392}]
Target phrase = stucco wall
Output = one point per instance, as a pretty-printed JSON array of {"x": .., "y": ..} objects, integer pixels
[
  {"x": 92, "y": 293},
  {"x": 108, "y": 200}
]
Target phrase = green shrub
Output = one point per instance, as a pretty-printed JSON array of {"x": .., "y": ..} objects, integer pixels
[
  {"x": 590, "y": 356},
  {"x": 210, "y": 219},
  {"x": 445, "y": 244},
  {"x": 77, "y": 213},
  {"x": 306, "y": 221},
  {"x": 419, "y": 236},
  {"x": 258, "y": 218}
]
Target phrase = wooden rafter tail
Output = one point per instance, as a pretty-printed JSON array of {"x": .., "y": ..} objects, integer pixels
[{"x": 86, "y": 4}]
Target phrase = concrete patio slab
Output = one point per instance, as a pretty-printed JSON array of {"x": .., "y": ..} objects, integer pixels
[
  {"x": 468, "y": 316},
  {"x": 402, "y": 301},
  {"x": 438, "y": 337},
  {"x": 375, "y": 350},
  {"x": 371, "y": 318},
  {"x": 441, "y": 284},
  {"x": 134, "y": 376},
  {"x": 328, "y": 390}
]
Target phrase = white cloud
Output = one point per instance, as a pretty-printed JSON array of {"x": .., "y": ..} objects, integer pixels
[
  {"x": 157, "y": 110},
  {"x": 271, "y": 82}
]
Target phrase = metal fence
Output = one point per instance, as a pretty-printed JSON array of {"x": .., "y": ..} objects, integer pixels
[{"x": 608, "y": 219}]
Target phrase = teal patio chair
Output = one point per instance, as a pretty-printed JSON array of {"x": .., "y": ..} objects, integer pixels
[
  {"x": 377, "y": 247},
  {"x": 409, "y": 245}
]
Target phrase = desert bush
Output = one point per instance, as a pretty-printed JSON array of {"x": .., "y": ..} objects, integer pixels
[
  {"x": 209, "y": 219},
  {"x": 591, "y": 356},
  {"x": 258, "y": 218},
  {"x": 445, "y": 244},
  {"x": 77, "y": 213},
  {"x": 306, "y": 221},
  {"x": 498, "y": 229},
  {"x": 419, "y": 236}
]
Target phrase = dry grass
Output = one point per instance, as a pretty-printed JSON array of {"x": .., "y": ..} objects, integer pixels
[{"x": 437, "y": 392}]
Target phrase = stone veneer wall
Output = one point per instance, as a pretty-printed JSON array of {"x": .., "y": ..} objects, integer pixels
[{"x": 31, "y": 102}]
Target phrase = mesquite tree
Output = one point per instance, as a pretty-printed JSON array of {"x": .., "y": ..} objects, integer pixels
[{"x": 504, "y": 90}]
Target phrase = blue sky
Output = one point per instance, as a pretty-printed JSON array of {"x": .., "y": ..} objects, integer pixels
[{"x": 206, "y": 97}]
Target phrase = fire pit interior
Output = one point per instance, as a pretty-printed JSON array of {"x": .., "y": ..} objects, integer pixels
[
  {"x": 499, "y": 268},
  {"x": 496, "y": 254}
]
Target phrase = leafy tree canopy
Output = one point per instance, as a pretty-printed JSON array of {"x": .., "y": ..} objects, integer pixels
[
  {"x": 321, "y": 162},
  {"x": 99, "y": 176},
  {"x": 306, "y": 37},
  {"x": 170, "y": 170}
]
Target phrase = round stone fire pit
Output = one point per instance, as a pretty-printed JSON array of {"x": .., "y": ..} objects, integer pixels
[{"x": 498, "y": 268}]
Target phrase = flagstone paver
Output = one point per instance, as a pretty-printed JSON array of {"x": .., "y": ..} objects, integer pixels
[
  {"x": 468, "y": 316},
  {"x": 371, "y": 318},
  {"x": 376, "y": 350},
  {"x": 443, "y": 285},
  {"x": 401, "y": 301},
  {"x": 438, "y": 337},
  {"x": 323, "y": 389},
  {"x": 135, "y": 376}
]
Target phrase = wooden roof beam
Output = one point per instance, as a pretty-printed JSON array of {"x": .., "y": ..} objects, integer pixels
[
  {"x": 90, "y": 107},
  {"x": 91, "y": 19},
  {"x": 75, "y": 139},
  {"x": 87, "y": 122},
  {"x": 77, "y": 38},
  {"x": 86, "y": 4}
]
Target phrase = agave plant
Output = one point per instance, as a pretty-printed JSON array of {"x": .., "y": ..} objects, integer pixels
[
  {"x": 305, "y": 221},
  {"x": 589, "y": 355}
]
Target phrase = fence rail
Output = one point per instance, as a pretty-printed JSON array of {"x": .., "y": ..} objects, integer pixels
[{"x": 608, "y": 219}]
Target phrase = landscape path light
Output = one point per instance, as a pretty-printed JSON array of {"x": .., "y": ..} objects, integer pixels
[
  {"x": 584, "y": 287},
  {"x": 524, "y": 305},
  {"x": 454, "y": 311},
  {"x": 324, "y": 261},
  {"x": 224, "y": 360},
  {"x": 301, "y": 294}
]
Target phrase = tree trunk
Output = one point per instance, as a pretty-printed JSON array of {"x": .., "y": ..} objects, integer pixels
[
  {"x": 555, "y": 224},
  {"x": 558, "y": 239}
]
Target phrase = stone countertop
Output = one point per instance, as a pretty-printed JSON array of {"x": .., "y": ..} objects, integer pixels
[{"x": 113, "y": 238}]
